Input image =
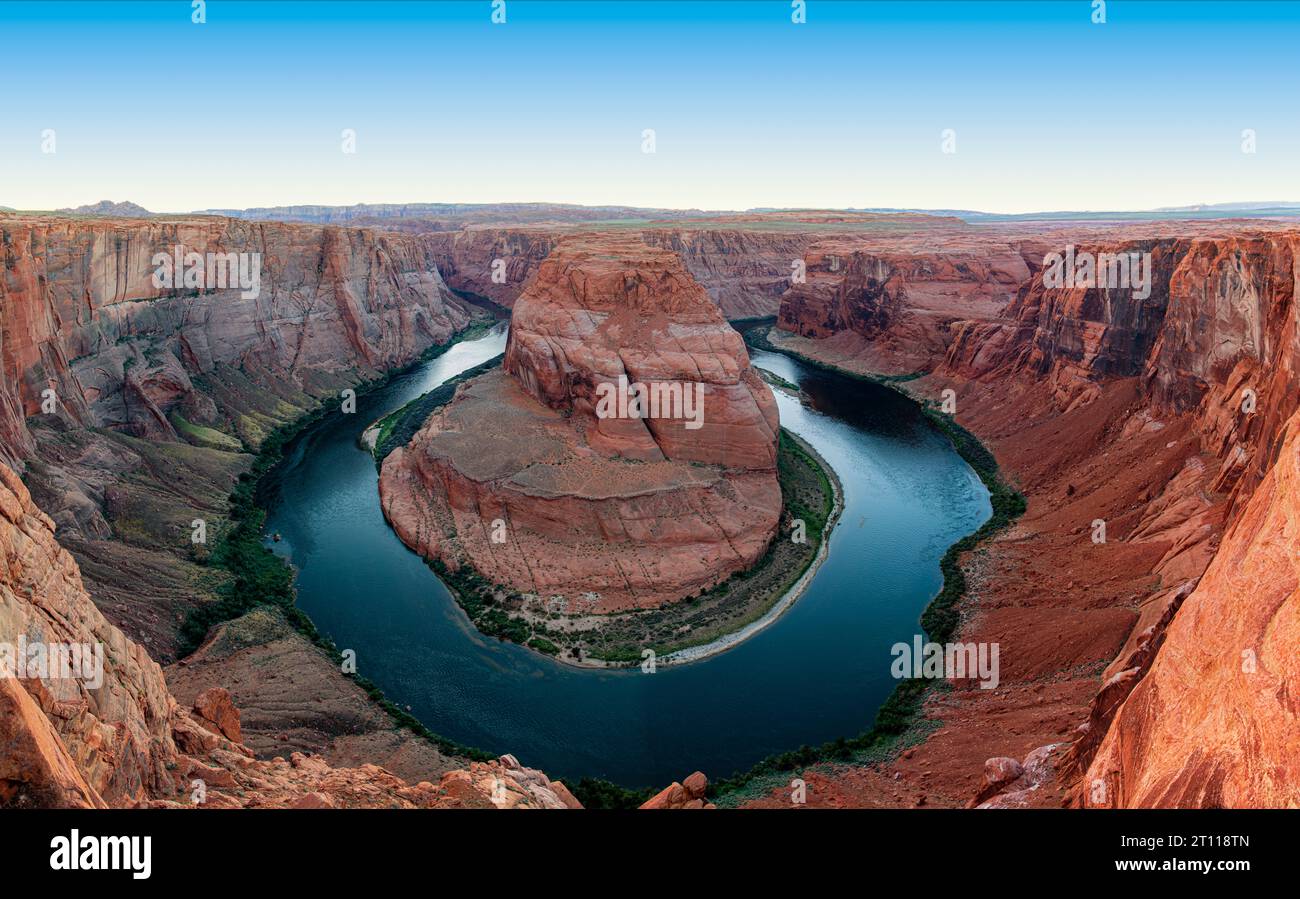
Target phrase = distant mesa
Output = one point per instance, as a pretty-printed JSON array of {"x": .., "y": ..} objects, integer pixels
[{"x": 108, "y": 208}]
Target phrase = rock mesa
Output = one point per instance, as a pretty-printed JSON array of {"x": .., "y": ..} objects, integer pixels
[{"x": 622, "y": 512}]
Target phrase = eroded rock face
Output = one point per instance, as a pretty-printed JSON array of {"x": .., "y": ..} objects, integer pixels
[
  {"x": 82, "y": 316},
  {"x": 156, "y": 391},
  {"x": 895, "y": 301},
  {"x": 76, "y": 743},
  {"x": 492, "y": 262},
  {"x": 689, "y": 794},
  {"x": 117, "y": 737},
  {"x": 604, "y": 309},
  {"x": 743, "y": 271},
  {"x": 1215, "y": 721},
  {"x": 1216, "y": 337},
  {"x": 1166, "y": 416},
  {"x": 625, "y": 512}
]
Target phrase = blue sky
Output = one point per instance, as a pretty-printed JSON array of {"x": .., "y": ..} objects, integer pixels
[{"x": 1049, "y": 110}]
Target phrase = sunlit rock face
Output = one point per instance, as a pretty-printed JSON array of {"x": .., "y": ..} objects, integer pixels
[
  {"x": 1164, "y": 405},
  {"x": 1194, "y": 710},
  {"x": 1215, "y": 721}
]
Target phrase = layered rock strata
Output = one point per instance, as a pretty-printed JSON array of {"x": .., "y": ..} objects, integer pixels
[
  {"x": 528, "y": 479},
  {"x": 1166, "y": 413},
  {"x": 744, "y": 262},
  {"x": 84, "y": 318},
  {"x": 128, "y": 403},
  {"x": 892, "y": 303}
]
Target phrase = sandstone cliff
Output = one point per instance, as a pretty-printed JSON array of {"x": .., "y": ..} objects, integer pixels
[
  {"x": 83, "y": 317},
  {"x": 522, "y": 477},
  {"x": 892, "y": 302},
  {"x": 1163, "y": 414},
  {"x": 117, "y": 737},
  {"x": 744, "y": 271},
  {"x": 1215, "y": 722},
  {"x": 157, "y": 390}
]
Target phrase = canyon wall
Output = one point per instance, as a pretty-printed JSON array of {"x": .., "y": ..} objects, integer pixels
[
  {"x": 493, "y": 262},
  {"x": 605, "y": 511},
  {"x": 744, "y": 271},
  {"x": 892, "y": 302},
  {"x": 81, "y": 315},
  {"x": 113, "y": 735},
  {"x": 1217, "y": 338},
  {"x": 1164, "y": 414},
  {"x": 158, "y": 391},
  {"x": 1215, "y": 721}
]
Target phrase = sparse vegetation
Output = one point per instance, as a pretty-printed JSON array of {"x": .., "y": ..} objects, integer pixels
[
  {"x": 619, "y": 639},
  {"x": 940, "y": 618},
  {"x": 593, "y": 792},
  {"x": 258, "y": 577},
  {"x": 899, "y": 717},
  {"x": 398, "y": 427},
  {"x": 776, "y": 380}
]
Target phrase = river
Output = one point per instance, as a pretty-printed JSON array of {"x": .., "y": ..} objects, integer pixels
[{"x": 817, "y": 673}]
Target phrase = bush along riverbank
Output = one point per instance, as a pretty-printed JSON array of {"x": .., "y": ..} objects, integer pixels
[
  {"x": 399, "y": 426},
  {"x": 258, "y": 577},
  {"x": 899, "y": 721}
]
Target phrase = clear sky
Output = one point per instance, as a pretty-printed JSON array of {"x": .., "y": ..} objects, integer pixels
[{"x": 1049, "y": 110}]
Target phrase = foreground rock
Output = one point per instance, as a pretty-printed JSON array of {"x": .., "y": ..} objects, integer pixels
[
  {"x": 292, "y": 697},
  {"x": 1215, "y": 722},
  {"x": 118, "y": 738},
  {"x": 524, "y": 477},
  {"x": 688, "y": 794}
]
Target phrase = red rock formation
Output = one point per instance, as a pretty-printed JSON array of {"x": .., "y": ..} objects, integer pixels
[
  {"x": 744, "y": 261},
  {"x": 80, "y": 314},
  {"x": 604, "y": 309},
  {"x": 638, "y": 511},
  {"x": 115, "y": 738},
  {"x": 745, "y": 271},
  {"x": 1219, "y": 321},
  {"x": 688, "y": 794},
  {"x": 894, "y": 301},
  {"x": 215, "y": 706},
  {"x": 1216, "y": 720},
  {"x": 496, "y": 263},
  {"x": 1101, "y": 403}
]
